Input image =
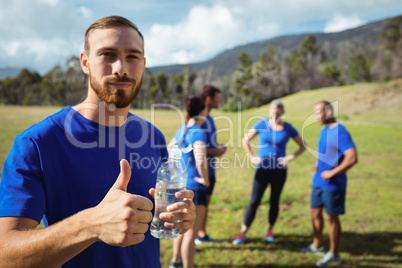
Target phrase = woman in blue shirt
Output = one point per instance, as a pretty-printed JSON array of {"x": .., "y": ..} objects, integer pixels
[
  {"x": 271, "y": 164},
  {"x": 191, "y": 133}
]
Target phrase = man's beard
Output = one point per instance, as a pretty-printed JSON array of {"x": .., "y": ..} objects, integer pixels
[{"x": 120, "y": 98}]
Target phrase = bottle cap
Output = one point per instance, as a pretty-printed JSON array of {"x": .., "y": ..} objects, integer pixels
[{"x": 175, "y": 152}]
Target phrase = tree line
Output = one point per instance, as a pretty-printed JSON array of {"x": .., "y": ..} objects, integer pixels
[{"x": 277, "y": 73}]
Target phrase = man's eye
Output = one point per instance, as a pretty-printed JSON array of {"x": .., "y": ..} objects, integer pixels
[
  {"x": 134, "y": 56},
  {"x": 107, "y": 54}
]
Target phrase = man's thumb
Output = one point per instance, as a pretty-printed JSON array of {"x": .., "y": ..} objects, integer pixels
[{"x": 124, "y": 176}]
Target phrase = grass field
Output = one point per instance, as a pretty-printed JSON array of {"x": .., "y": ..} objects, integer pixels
[{"x": 372, "y": 232}]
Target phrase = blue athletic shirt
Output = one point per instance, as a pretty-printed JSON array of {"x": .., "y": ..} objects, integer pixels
[
  {"x": 194, "y": 134},
  {"x": 210, "y": 130},
  {"x": 332, "y": 143},
  {"x": 272, "y": 143},
  {"x": 67, "y": 163}
]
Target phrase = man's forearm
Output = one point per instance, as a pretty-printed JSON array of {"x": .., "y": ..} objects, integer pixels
[
  {"x": 344, "y": 166},
  {"x": 48, "y": 247}
]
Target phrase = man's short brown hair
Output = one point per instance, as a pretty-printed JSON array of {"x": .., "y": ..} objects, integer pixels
[
  {"x": 109, "y": 22},
  {"x": 210, "y": 91}
]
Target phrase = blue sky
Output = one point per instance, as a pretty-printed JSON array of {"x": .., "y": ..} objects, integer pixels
[{"x": 40, "y": 34}]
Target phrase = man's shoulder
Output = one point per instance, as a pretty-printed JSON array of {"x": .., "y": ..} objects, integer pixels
[
  {"x": 209, "y": 123},
  {"x": 288, "y": 126},
  {"x": 46, "y": 126},
  {"x": 342, "y": 128}
]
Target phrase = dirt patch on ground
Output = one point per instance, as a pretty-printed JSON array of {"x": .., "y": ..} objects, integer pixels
[{"x": 382, "y": 96}]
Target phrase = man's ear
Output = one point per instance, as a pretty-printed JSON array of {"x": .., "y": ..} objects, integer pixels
[
  {"x": 328, "y": 113},
  {"x": 84, "y": 63}
]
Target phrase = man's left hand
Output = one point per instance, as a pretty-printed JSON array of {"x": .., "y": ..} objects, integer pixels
[
  {"x": 183, "y": 212},
  {"x": 325, "y": 175}
]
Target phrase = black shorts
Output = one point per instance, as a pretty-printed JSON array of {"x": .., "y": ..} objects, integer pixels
[
  {"x": 200, "y": 198},
  {"x": 332, "y": 201},
  {"x": 211, "y": 186}
]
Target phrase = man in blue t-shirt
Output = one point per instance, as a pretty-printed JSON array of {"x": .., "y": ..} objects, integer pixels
[
  {"x": 212, "y": 97},
  {"x": 66, "y": 166},
  {"x": 336, "y": 154}
]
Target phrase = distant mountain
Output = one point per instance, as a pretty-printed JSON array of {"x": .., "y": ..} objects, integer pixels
[
  {"x": 227, "y": 62},
  {"x": 9, "y": 72}
]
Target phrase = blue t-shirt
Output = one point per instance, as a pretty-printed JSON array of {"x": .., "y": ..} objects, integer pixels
[
  {"x": 194, "y": 134},
  {"x": 332, "y": 143},
  {"x": 210, "y": 130},
  {"x": 67, "y": 163},
  {"x": 272, "y": 143}
]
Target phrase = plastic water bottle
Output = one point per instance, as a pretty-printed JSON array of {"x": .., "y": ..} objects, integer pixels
[{"x": 172, "y": 177}]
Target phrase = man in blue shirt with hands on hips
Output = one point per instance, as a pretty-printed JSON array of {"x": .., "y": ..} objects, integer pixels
[
  {"x": 336, "y": 154},
  {"x": 72, "y": 168}
]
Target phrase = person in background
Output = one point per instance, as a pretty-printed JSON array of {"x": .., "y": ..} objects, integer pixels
[
  {"x": 72, "y": 168},
  {"x": 191, "y": 133},
  {"x": 212, "y": 97},
  {"x": 336, "y": 154},
  {"x": 271, "y": 164}
]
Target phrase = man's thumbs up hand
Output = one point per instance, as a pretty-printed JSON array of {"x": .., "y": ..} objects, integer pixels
[
  {"x": 121, "y": 219},
  {"x": 124, "y": 176}
]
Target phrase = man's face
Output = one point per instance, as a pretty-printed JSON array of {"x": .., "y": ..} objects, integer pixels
[
  {"x": 115, "y": 64},
  {"x": 215, "y": 100},
  {"x": 319, "y": 113}
]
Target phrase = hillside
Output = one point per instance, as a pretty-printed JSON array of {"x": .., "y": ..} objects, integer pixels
[
  {"x": 369, "y": 104},
  {"x": 226, "y": 62},
  {"x": 8, "y": 72}
]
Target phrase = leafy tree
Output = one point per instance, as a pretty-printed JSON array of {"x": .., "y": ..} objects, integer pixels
[
  {"x": 243, "y": 76},
  {"x": 54, "y": 87},
  {"x": 154, "y": 92},
  {"x": 266, "y": 72},
  {"x": 331, "y": 71},
  {"x": 392, "y": 33},
  {"x": 76, "y": 81},
  {"x": 162, "y": 80},
  {"x": 184, "y": 83},
  {"x": 230, "y": 105},
  {"x": 308, "y": 46},
  {"x": 267, "y": 66},
  {"x": 294, "y": 67},
  {"x": 359, "y": 69},
  {"x": 19, "y": 90}
]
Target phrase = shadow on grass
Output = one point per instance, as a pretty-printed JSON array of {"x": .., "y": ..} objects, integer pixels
[{"x": 364, "y": 249}]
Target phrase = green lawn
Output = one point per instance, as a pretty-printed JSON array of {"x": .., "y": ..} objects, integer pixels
[{"x": 372, "y": 234}]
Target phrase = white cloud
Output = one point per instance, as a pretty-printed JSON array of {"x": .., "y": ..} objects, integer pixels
[
  {"x": 200, "y": 35},
  {"x": 86, "y": 12},
  {"x": 41, "y": 42},
  {"x": 50, "y": 2},
  {"x": 39, "y": 33},
  {"x": 340, "y": 23}
]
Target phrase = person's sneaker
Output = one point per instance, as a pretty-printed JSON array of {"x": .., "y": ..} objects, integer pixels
[
  {"x": 327, "y": 259},
  {"x": 313, "y": 249},
  {"x": 269, "y": 236},
  {"x": 206, "y": 239},
  {"x": 240, "y": 239},
  {"x": 176, "y": 263}
]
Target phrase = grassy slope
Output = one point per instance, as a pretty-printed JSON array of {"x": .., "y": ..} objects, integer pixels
[
  {"x": 371, "y": 228},
  {"x": 372, "y": 234}
]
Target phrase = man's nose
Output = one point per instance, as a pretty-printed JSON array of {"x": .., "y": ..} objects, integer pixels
[{"x": 119, "y": 67}]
